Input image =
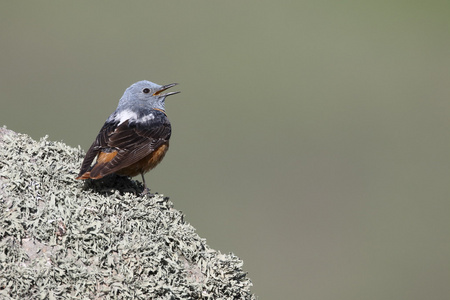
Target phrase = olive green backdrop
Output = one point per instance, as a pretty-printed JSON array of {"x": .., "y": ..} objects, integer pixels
[{"x": 310, "y": 138}]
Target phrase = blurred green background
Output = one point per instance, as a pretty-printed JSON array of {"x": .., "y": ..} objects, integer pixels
[{"x": 311, "y": 138}]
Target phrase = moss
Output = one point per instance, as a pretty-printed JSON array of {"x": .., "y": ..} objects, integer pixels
[{"x": 66, "y": 239}]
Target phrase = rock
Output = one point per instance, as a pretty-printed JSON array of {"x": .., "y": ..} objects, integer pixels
[{"x": 61, "y": 238}]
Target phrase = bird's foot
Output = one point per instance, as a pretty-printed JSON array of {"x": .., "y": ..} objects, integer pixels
[{"x": 146, "y": 191}]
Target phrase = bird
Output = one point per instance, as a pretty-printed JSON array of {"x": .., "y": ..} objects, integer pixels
[{"x": 134, "y": 138}]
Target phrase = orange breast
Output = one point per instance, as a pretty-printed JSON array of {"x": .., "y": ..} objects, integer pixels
[{"x": 146, "y": 164}]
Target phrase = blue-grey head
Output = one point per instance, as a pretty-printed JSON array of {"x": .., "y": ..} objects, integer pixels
[{"x": 145, "y": 95}]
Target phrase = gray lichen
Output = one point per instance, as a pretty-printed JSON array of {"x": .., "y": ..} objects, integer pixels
[{"x": 65, "y": 239}]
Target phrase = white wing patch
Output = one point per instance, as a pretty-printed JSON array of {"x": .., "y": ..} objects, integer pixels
[
  {"x": 125, "y": 115},
  {"x": 148, "y": 117}
]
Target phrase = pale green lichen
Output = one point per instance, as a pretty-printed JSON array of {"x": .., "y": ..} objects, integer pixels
[{"x": 64, "y": 239}]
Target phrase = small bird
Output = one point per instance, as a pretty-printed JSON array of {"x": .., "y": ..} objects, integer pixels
[{"x": 135, "y": 138}]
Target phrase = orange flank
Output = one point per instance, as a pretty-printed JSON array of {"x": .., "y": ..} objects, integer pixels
[
  {"x": 147, "y": 163},
  {"x": 142, "y": 166},
  {"x": 104, "y": 157}
]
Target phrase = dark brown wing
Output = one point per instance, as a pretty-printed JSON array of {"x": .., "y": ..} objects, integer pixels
[
  {"x": 98, "y": 145},
  {"x": 131, "y": 140}
]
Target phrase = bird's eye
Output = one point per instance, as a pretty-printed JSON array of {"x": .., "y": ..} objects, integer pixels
[{"x": 146, "y": 90}]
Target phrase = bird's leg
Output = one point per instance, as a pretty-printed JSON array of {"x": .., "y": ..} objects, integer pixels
[
  {"x": 146, "y": 190},
  {"x": 143, "y": 180}
]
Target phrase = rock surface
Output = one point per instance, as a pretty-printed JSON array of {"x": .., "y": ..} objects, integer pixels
[{"x": 66, "y": 239}]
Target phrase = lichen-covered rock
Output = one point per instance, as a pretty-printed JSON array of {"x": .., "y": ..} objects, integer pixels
[{"x": 65, "y": 239}]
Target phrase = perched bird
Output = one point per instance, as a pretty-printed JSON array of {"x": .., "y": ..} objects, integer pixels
[{"x": 135, "y": 138}]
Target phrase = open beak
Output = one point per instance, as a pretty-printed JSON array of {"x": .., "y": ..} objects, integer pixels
[{"x": 163, "y": 88}]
